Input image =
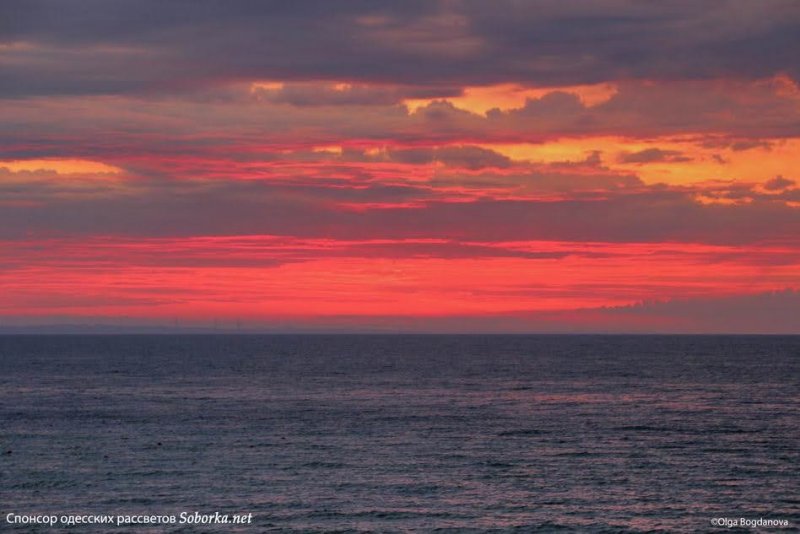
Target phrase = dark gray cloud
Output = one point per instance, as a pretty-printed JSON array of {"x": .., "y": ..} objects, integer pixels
[
  {"x": 103, "y": 127},
  {"x": 776, "y": 312},
  {"x": 174, "y": 208},
  {"x": 469, "y": 157},
  {"x": 779, "y": 183},
  {"x": 97, "y": 46},
  {"x": 653, "y": 155},
  {"x": 644, "y": 109},
  {"x": 299, "y": 94}
]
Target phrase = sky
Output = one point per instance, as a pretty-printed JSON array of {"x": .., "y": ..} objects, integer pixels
[{"x": 423, "y": 166}]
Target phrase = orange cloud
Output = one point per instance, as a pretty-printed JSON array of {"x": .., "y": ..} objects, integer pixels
[
  {"x": 509, "y": 96},
  {"x": 60, "y": 166},
  {"x": 699, "y": 162}
]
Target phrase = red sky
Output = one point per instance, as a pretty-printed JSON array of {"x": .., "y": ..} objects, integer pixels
[{"x": 437, "y": 166}]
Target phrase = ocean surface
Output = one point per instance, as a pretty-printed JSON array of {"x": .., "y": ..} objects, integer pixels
[{"x": 402, "y": 433}]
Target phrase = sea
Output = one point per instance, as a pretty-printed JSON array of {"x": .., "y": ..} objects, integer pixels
[{"x": 399, "y": 433}]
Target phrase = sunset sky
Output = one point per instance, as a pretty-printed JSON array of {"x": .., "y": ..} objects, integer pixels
[{"x": 455, "y": 166}]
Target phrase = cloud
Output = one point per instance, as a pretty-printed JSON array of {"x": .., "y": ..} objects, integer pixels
[
  {"x": 779, "y": 183},
  {"x": 468, "y": 157},
  {"x": 739, "y": 146},
  {"x": 344, "y": 94},
  {"x": 557, "y": 181},
  {"x": 346, "y": 210},
  {"x": 102, "y": 127},
  {"x": 747, "y": 110},
  {"x": 23, "y": 187},
  {"x": 109, "y": 128},
  {"x": 774, "y": 312},
  {"x": 654, "y": 155},
  {"x": 76, "y": 47}
]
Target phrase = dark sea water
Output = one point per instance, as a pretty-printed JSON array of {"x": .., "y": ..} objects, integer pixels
[{"x": 403, "y": 433}]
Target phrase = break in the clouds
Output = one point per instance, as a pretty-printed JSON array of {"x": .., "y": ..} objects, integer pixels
[{"x": 452, "y": 165}]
